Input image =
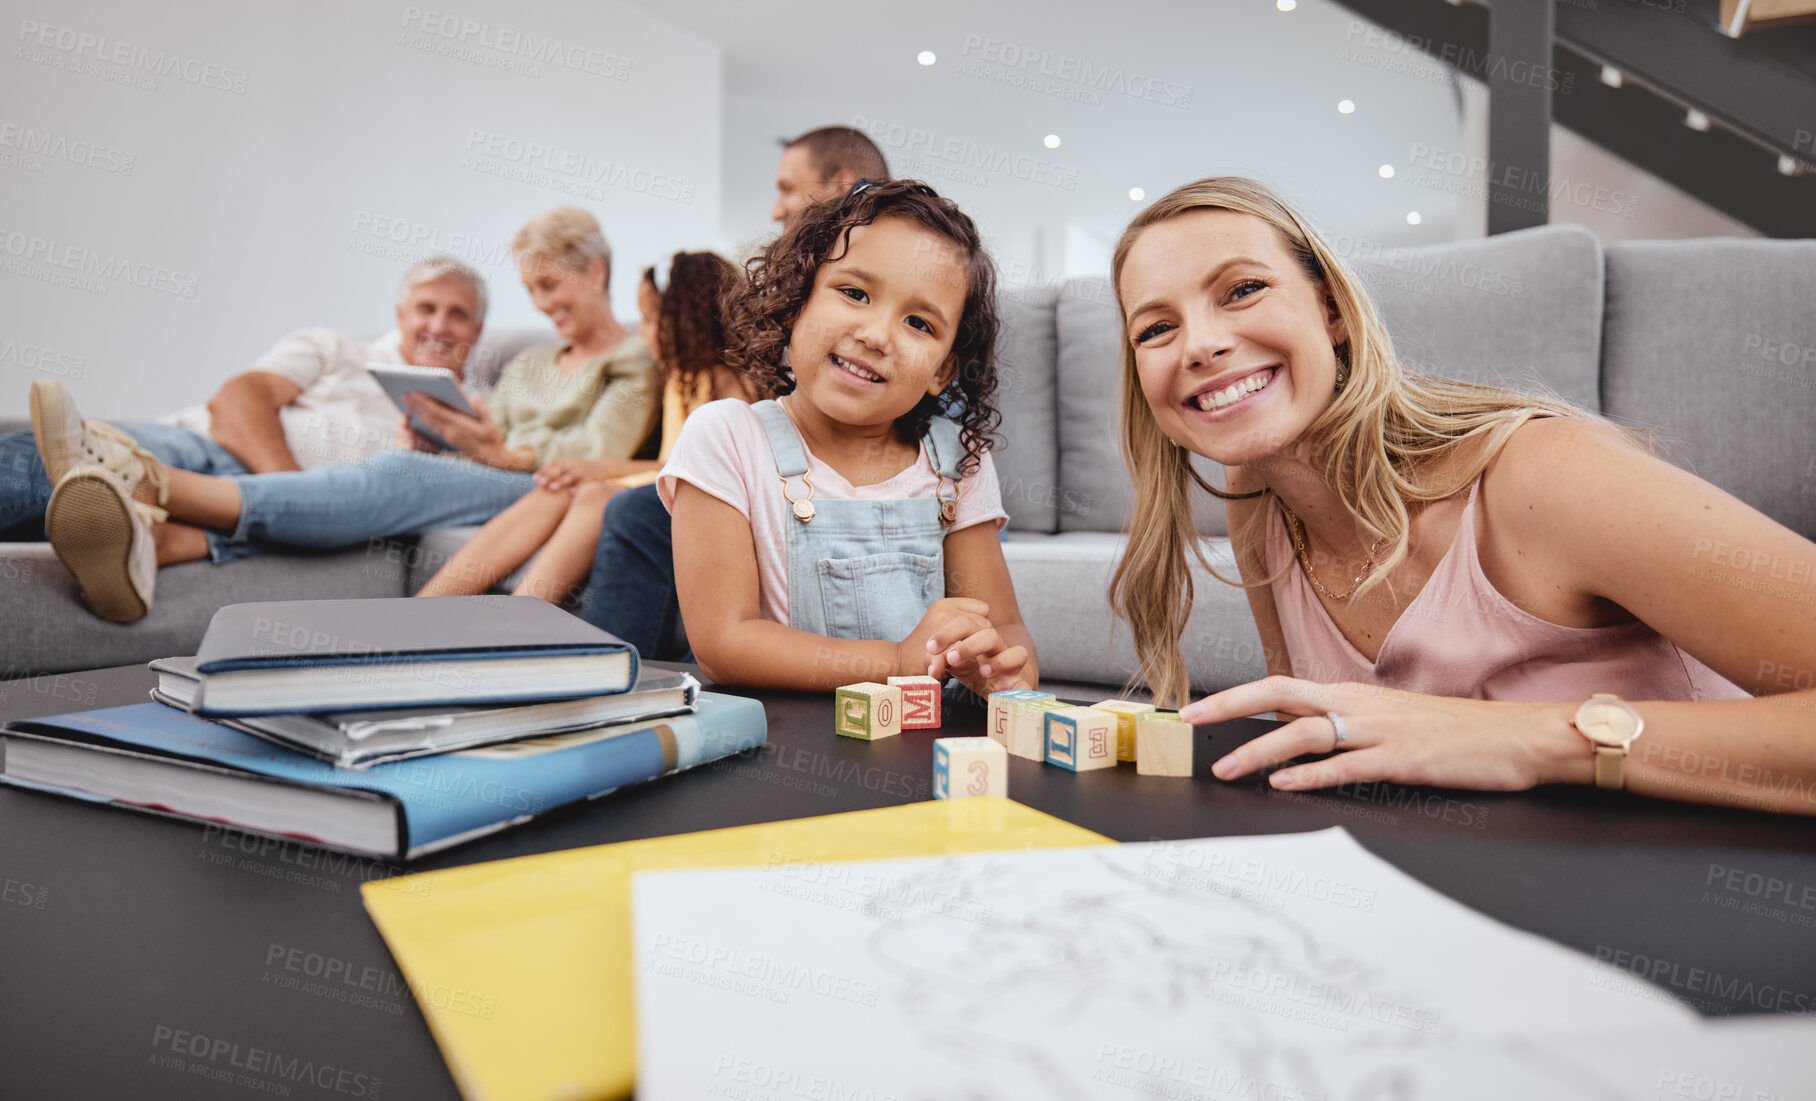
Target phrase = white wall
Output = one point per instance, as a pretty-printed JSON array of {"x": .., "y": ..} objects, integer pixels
[{"x": 351, "y": 139}]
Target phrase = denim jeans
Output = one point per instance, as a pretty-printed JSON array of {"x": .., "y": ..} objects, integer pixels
[
  {"x": 631, "y": 591},
  {"x": 24, "y": 488},
  {"x": 345, "y": 504}
]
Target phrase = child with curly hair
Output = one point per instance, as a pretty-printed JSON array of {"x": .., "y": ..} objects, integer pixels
[
  {"x": 561, "y": 517},
  {"x": 847, "y": 530}
]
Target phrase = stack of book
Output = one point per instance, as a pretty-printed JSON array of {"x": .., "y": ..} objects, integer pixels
[{"x": 388, "y": 727}]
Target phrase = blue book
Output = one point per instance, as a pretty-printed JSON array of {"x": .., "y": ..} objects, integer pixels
[
  {"x": 157, "y": 759},
  {"x": 302, "y": 656}
]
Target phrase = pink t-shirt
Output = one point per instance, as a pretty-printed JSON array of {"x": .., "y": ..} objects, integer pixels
[{"x": 724, "y": 451}]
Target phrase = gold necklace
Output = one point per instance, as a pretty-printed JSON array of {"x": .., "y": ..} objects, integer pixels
[{"x": 1296, "y": 526}]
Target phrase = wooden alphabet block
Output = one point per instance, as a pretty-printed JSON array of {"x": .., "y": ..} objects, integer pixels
[
  {"x": 868, "y": 710},
  {"x": 963, "y": 767},
  {"x": 1028, "y": 727},
  {"x": 1125, "y": 712},
  {"x": 920, "y": 702},
  {"x": 1081, "y": 738},
  {"x": 1163, "y": 744},
  {"x": 1002, "y": 707}
]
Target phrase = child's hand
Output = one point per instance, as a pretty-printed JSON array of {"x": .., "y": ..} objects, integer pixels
[
  {"x": 981, "y": 661},
  {"x": 948, "y": 620}
]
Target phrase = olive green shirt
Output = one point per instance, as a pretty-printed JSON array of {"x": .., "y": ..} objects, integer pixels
[{"x": 601, "y": 411}]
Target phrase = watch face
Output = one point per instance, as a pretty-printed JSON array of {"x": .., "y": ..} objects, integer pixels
[{"x": 1608, "y": 722}]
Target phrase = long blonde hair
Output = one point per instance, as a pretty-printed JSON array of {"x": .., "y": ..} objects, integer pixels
[{"x": 1382, "y": 429}]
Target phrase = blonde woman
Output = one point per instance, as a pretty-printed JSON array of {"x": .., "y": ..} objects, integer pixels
[
  {"x": 590, "y": 397},
  {"x": 1535, "y": 552},
  {"x": 559, "y": 521}
]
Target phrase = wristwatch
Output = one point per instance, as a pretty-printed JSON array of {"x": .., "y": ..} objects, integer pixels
[{"x": 1610, "y": 724}]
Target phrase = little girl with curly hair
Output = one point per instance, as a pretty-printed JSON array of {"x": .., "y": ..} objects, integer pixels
[{"x": 847, "y": 530}]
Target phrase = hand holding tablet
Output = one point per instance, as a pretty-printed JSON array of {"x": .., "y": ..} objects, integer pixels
[{"x": 400, "y": 380}]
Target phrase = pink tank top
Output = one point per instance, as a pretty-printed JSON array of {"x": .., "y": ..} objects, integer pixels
[{"x": 1461, "y": 637}]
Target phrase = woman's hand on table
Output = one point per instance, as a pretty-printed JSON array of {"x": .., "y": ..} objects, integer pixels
[{"x": 1397, "y": 736}]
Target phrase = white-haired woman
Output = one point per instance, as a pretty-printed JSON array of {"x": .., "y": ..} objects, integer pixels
[
  {"x": 1544, "y": 548},
  {"x": 590, "y": 397}
]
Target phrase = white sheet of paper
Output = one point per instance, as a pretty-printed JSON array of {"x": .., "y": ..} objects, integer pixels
[{"x": 1285, "y": 968}]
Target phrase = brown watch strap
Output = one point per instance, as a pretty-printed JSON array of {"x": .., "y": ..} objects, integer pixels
[{"x": 1610, "y": 767}]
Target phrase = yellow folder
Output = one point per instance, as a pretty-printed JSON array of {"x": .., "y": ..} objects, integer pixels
[{"x": 523, "y": 967}]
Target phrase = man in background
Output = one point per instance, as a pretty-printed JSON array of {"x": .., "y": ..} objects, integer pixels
[{"x": 823, "y": 164}]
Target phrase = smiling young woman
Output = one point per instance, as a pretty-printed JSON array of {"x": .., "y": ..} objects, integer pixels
[{"x": 1481, "y": 578}]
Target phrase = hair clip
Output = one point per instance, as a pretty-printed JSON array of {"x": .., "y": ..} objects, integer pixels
[{"x": 859, "y": 188}]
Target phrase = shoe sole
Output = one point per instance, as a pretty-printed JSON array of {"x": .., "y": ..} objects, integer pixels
[
  {"x": 49, "y": 405},
  {"x": 90, "y": 528}
]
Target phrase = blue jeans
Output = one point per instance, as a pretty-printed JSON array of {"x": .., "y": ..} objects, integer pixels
[
  {"x": 631, "y": 591},
  {"x": 342, "y": 504},
  {"x": 24, "y": 488}
]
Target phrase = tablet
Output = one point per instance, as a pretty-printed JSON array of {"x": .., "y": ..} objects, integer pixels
[{"x": 399, "y": 379}]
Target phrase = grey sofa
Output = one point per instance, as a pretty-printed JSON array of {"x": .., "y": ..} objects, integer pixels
[{"x": 1713, "y": 342}]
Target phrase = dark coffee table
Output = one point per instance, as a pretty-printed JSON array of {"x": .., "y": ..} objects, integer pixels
[{"x": 148, "y": 958}]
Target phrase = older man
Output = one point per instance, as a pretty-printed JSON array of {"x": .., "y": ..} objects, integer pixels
[{"x": 306, "y": 402}]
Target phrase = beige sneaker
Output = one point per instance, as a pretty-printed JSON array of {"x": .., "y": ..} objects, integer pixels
[
  {"x": 66, "y": 441},
  {"x": 104, "y": 538}
]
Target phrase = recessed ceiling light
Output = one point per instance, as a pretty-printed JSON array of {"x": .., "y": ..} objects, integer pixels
[
  {"x": 1346, "y": 106},
  {"x": 1137, "y": 194},
  {"x": 926, "y": 57},
  {"x": 1696, "y": 120},
  {"x": 1286, "y": 5},
  {"x": 1051, "y": 141},
  {"x": 1412, "y": 218},
  {"x": 1386, "y": 171}
]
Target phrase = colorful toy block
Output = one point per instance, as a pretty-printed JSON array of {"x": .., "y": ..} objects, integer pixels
[
  {"x": 963, "y": 767},
  {"x": 1125, "y": 712},
  {"x": 1002, "y": 707},
  {"x": 920, "y": 702},
  {"x": 1028, "y": 727},
  {"x": 1081, "y": 738},
  {"x": 868, "y": 710},
  {"x": 1163, "y": 744}
]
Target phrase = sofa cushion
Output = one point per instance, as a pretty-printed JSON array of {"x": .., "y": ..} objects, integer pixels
[
  {"x": 1027, "y": 466},
  {"x": 1062, "y": 584},
  {"x": 49, "y": 631},
  {"x": 1714, "y": 343},
  {"x": 1522, "y": 310}
]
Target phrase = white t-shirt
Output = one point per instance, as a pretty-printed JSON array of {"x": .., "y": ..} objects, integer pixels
[
  {"x": 342, "y": 415},
  {"x": 724, "y": 451}
]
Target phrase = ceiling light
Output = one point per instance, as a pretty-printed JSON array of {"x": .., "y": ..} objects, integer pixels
[
  {"x": 1696, "y": 120},
  {"x": 926, "y": 57},
  {"x": 1346, "y": 106},
  {"x": 1386, "y": 171},
  {"x": 1286, "y": 5},
  {"x": 1412, "y": 218},
  {"x": 1051, "y": 141},
  {"x": 1137, "y": 194},
  {"x": 1611, "y": 76}
]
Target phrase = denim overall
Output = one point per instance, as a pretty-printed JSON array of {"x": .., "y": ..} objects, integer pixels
[{"x": 862, "y": 569}]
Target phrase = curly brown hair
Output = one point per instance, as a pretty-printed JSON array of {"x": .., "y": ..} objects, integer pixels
[
  {"x": 761, "y": 312},
  {"x": 690, "y": 325}
]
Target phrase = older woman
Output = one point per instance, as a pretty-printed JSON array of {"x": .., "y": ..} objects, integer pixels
[{"x": 115, "y": 524}]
